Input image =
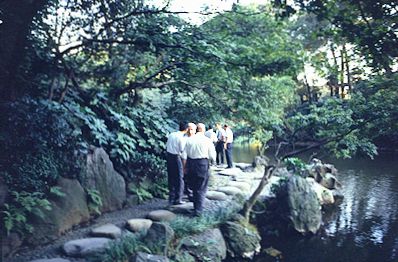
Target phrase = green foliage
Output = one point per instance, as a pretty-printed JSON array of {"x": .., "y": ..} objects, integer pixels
[
  {"x": 184, "y": 226},
  {"x": 278, "y": 187},
  {"x": 141, "y": 190},
  {"x": 56, "y": 191},
  {"x": 122, "y": 249},
  {"x": 147, "y": 189},
  {"x": 148, "y": 165},
  {"x": 295, "y": 165},
  {"x": 94, "y": 201},
  {"x": 364, "y": 24},
  {"x": 38, "y": 144},
  {"x": 331, "y": 121},
  {"x": 22, "y": 205},
  {"x": 160, "y": 188},
  {"x": 34, "y": 173}
]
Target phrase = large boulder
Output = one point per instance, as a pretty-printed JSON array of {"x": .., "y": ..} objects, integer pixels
[
  {"x": 242, "y": 242},
  {"x": 66, "y": 211},
  {"x": 294, "y": 207},
  {"x": 324, "y": 174},
  {"x": 303, "y": 207},
  {"x": 325, "y": 196},
  {"x": 207, "y": 246},
  {"x": 9, "y": 244},
  {"x": 99, "y": 174},
  {"x": 159, "y": 235}
]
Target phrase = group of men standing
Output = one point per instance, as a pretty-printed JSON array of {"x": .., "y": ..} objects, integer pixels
[{"x": 189, "y": 154}]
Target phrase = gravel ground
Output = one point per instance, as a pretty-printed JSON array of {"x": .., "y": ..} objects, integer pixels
[{"x": 118, "y": 218}]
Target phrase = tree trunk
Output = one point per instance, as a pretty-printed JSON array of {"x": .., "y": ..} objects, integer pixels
[
  {"x": 341, "y": 73},
  {"x": 16, "y": 17},
  {"x": 308, "y": 88},
  {"x": 247, "y": 207},
  {"x": 347, "y": 67}
]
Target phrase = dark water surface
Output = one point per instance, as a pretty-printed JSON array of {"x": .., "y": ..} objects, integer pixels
[{"x": 364, "y": 227}]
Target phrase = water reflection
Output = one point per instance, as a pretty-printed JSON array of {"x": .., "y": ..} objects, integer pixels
[{"x": 364, "y": 227}]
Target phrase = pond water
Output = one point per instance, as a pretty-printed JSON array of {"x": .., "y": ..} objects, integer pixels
[{"x": 363, "y": 228}]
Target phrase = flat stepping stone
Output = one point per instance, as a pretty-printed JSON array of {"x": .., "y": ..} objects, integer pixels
[
  {"x": 246, "y": 179},
  {"x": 257, "y": 175},
  {"x": 161, "y": 215},
  {"x": 51, "y": 260},
  {"x": 245, "y": 187},
  {"x": 108, "y": 230},
  {"x": 139, "y": 224},
  {"x": 216, "y": 168},
  {"x": 231, "y": 172},
  {"x": 182, "y": 208},
  {"x": 216, "y": 195},
  {"x": 243, "y": 166},
  {"x": 86, "y": 246},
  {"x": 230, "y": 190},
  {"x": 145, "y": 257}
]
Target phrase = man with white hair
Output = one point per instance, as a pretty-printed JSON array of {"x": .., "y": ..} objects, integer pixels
[{"x": 199, "y": 150}]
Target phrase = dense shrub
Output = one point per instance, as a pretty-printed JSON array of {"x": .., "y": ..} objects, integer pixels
[
  {"x": 38, "y": 144},
  {"x": 35, "y": 172}
]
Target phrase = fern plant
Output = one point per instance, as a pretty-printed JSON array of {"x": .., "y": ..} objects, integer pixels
[
  {"x": 141, "y": 190},
  {"x": 94, "y": 201},
  {"x": 22, "y": 205}
]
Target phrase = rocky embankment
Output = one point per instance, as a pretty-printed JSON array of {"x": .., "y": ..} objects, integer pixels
[{"x": 302, "y": 197}]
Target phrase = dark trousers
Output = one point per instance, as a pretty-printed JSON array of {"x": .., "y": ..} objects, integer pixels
[
  {"x": 228, "y": 154},
  {"x": 220, "y": 152},
  {"x": 198, "y": 173},
  {"x": 175, "y": 178}
]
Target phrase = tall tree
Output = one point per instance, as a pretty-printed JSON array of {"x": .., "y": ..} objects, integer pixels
[{"x": 15, "y": 25}]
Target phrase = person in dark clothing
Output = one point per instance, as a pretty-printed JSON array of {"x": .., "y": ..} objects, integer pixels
[
  {"x": 220, "y": 134},
  {"x": 199, "y": 150},
  {"x": 229, "y": 138},
  {"x": 174, "y": 147}
]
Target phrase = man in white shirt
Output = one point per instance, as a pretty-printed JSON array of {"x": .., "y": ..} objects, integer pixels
[
  {"x": 199, "y": 150},
  {"x": 220, "y": 133},
  {"x": 211, "y": 134},
  {"x": 187, "y": 190},
  {"x": 229, "y": 138},
  {"x": 174, "y": 147}
]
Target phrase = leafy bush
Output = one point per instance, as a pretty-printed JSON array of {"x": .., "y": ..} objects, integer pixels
[
  {"x": 94, "y": 201},
  {"x": 38, "y": 144},
  {"x": 295, "y": 165},
  {"x": 121, "y": 250},
  {"x": 33, "y": 173},
  {"x": 22, "y": 205},
  {"x": 185, "y": 226},
  {"x": 141, "y": 190}
]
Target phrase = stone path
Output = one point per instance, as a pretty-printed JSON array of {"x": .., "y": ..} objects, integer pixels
[{"x": 94, "y": 238}]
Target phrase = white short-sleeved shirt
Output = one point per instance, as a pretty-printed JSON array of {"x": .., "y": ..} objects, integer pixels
[
  {"x": 229, "y": 135},
  {"x": 212, "y": 135},
  {"x": 176, "y": 143},
  {"x": 220, "y": 134},
  {"x": 199, "y": 146}
]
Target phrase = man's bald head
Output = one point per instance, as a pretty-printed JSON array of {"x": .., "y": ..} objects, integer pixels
[
  {"x": 201, "y": 127},
  {"x": 191, "y": 129}
]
